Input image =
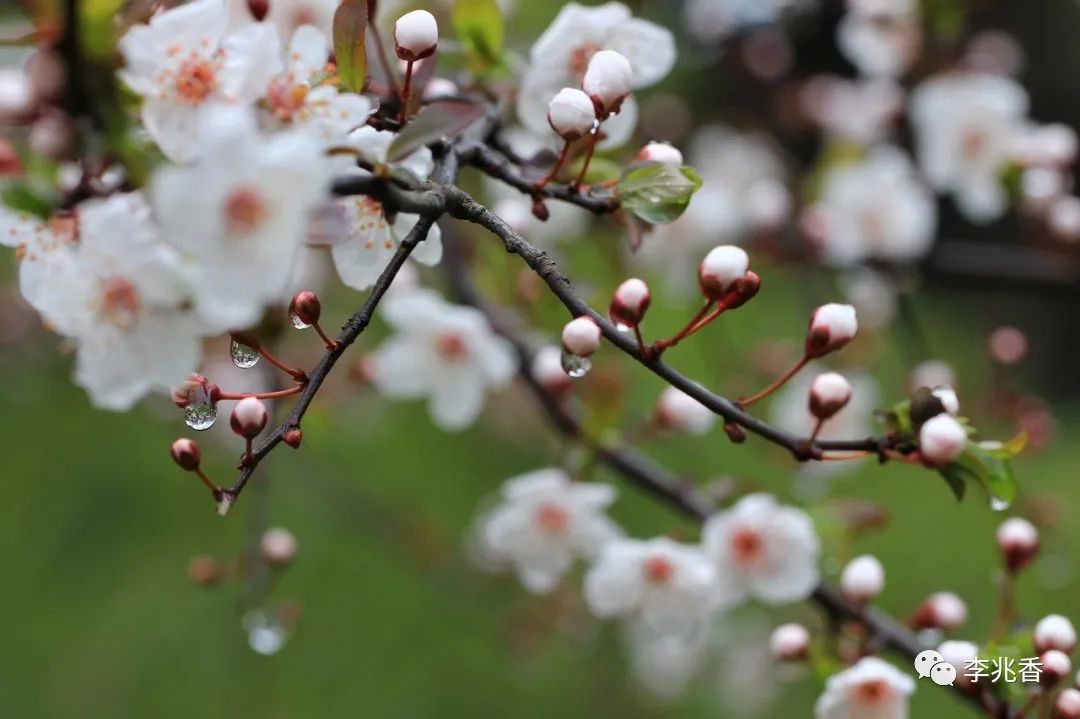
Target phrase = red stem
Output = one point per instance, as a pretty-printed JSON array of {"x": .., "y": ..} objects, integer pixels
[
  {"x": 588, "y": 159},
  {"x": 214, "y": 489},
  {"x": 297, "y": 374},
  {"x": 406, "y": 92},
  {"x": 554, "y": 170},
  {"x": 777, "y": 384},
  {"x": 691, "y": 327},
  {"x": 295, "y": 389},
  {"x": 330, "y": 344}
]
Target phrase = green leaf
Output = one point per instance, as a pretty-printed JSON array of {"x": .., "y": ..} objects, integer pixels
[
  {"x": 19, "y": 196},
  {"x": 658, "y": 193},
  {"x": 479, "y": 26},
  {"x": 438, "y": 120},
  {"x": 350, "y": 43},
  {"x": 990, "y": 466}
]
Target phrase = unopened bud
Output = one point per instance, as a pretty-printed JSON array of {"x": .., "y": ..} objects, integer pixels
[
  {"x": 416, "y": 35},
  {"x": 960, "y": 654},
  {"x": 305, "y": 309},
  {"x": 258, "y": 9},
  {"x": 548, "y": 371},
  {"x": 941, "y": 610},
  {"x": 630, "y": 302},
  {"x": 1008, "y": 345},
  {"x": 186, "y": 454},
  {"x": 678, "y": 411},
  {"x": 249, "y": 417},
  {"x": 661, "y": 153},
  {"x": 571, "y": 114},
  {"x": 790, "y": 642},
  {"x": 829, "y": 393},
  {"x": 204, "y": 571},
  {"x": 1054, "y": 632},
  {"x": 734, "y": 432},
  {"x": 742, "y": 290},
  {"x": 941, "y": 440},
  {"x": 862, "y": 579},
  {"x": 721, "y": 269},
  {"x": 1019, "y": 542},
  {"x": 278, "y": 546},
  {"x": 947, "y": 396},
  {"x": 581, "y": 336},
  {"x": 1067, "y": 705},
  {"x": 293, "y": 437},
  {"x": 1056, "y": 665},
  {"x": 608, "y": 80},
  {"x": 831, "y": 327}
]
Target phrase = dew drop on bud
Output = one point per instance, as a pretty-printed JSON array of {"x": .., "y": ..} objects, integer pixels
[
  {"x": 574, "y": 365},
  {"x": 297, "y": 322},
  {"x": 200, "y": 414},
  {"x": 999, "y": 504},
  {"x": 243, "y": 356},
  {"x": 266, "y": 635}
]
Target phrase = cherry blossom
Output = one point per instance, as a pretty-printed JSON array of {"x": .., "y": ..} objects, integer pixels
[
  {"x": 561, "y": 55},
  {"x": 240, "y": 213},
  {"x": 762, "y": 550},
  {"x": 965, "y": 129},
  {"x": 881, "y": 38},
  {"x": 870, "y": 688},
  {"x": 875, "y": 209},
  {"x": 861, "y": 111},
  {"x": 288, "y": 15},
  {"x": 676, "y": 410},
  {"x": 665, "y": 662},
  {"x": 668, "y": 584},
  {"x": 447, "y": 353},
  {"x": 182, "y": 61},
  {"x": 371, "y": 238},
  {"x": 544, "y": 522}
]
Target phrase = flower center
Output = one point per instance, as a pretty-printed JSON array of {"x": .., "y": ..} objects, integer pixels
[
  {"x": 552, "y": 519},
  {"x": 285, "y": 97},
  {"x": 974, "y": 143},
  {"x": 195, "y": 81},
  {"x": 747, "y": 545},
  {"x": 120, "y": 302},
  {"x": 872, "y": 692},
  {"x": 451, "y": 347},
  {"x": 244, "y": 211},
  {"x": 658, "y": 570}
]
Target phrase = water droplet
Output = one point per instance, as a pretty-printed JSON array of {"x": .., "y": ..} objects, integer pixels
[
  {"x": 243, "y": 356},
  {"x": 266, "y": 635},
  {"x": 201, "y": 413},
  {"x": 998, "y": 504},
  {"x": 622, "y": 328},
  {"x": 575, "y": 366},
  {"x": 297, "y": 322}
]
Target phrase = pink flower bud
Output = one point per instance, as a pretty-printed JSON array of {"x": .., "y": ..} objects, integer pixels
[
  {"x": 186, "y": 454},
  {"x": 416, "y": 35},
  {"x": 630, "y": 302},
  {"x": 678, "y": 411},
  {"x": 829, "y": 393},
  {"x": 941, "y": 610},
  {"x": 1008, "y": 345},
  {"x": 661, "y": 153},
  {"x": 608, "y": 80},
  {"x": 721, "y": 269},
  {"x": 831, "y": 327},
  {"x": 248, "y": 417},
  {"x": 548, "y": 371},
  {"x": 293, "y": 438},
  {"x": 278, "y": 546},
  {"x": 1056, "y": 665},
  {"x": 862, "y": 579},
  {"x": 790, "y": 642},
  {"x": 941, "y": 440},
  {"x": 258, "y": 9},
  {"x": 305, "y": 309},
  {"x": 1067, "y": 705},
  {"x": 571, "y": 114},
  {"x": 1019, "y": 542},
  {"x": 1054, "y": 632},
  {"x": 581, "y": 336}
]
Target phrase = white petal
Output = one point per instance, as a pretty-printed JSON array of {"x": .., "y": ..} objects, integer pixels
[
  {"x": 252, "y": 59},
  {"x": 456, "y": 403}
]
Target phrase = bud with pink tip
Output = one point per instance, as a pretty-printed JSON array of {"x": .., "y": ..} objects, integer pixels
[
  {"x": 305, "y": 309},
  {"x": 249, "y": 417},
  {"x": 662, "y": 153},
  {"x": 416, "y": 35},
  {"x": 608, "y": 80},
  {"x": 721, "y": 269},
  {"x": 571, "y": 114},
  {"x": 831, "y": 327},
  {"x": 790, "y": 642},
  {"x": 186, "y": 454},
  {"x": 278, "y": 546},
  {"x": 941, "y": 610},
  {"x": 862, "y": 579},
  {"x": 581, "y": 336},
  {"x": 1054, "y": 632},
  {"x": 678, "y": 411},
  {"x": 1067, "y": 704},
  {"x": 548, "y": 371},
  {"x": 1056, "y": 665},
  {"x": 630, "y": 302},
  {"x": 1019, "y": 542},
  {"x": 829, "y": 393},
  {"x": 941, "y": 440}
]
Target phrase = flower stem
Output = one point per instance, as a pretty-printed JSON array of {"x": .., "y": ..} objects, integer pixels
[
  {"x": 559, "y": 162},
  {"x": 588, "y": 159},
  {"x": 330, "y": 343},
  {"x": 406, "y": 92},
  {"x": 777, "y": 384},
  {"x": 692, "y": 326},
  {"x": 297, "y": 374},
  {"x": 295, "y": 389}
]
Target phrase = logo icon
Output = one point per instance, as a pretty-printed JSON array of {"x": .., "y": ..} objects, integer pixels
[{"x": 931, "y": 664}]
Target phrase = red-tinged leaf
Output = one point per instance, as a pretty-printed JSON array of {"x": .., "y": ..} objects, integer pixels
[
  {"x": 350, "y": 43},
  {"x": 438, "y": 120}
]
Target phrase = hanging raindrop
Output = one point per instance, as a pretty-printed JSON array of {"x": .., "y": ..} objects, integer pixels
[
  {"x": 297, "y": 322},
  {"x": 574, "y": 365},
  {"x": 200, "y": 413},
  {"x": 243, "y": 356}
]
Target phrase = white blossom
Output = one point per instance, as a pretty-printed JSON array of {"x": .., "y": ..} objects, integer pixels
[
  {"x": 665, "y": 662},
  {"x": 871, "y": 689},
  {"x": 561, "y": 55},
  {"x": 289, "y": 15},
  {"x": 444, "y": 352},
  {"x": 182, "y": 61},
  {"x": 544, "y": 522},
  {"x": 858, "y": 111},
  {"x": 965, "y": 129},
  {"x": 679, "y": 411},
  {"x": 669, "y": 585},
  {"x": 240, "y": 213},
  {"x": 372, "y": 239},
  {"x": 881, "y": 38}
]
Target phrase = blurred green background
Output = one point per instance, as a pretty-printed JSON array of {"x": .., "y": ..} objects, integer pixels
[{"x": 99, "y": 619}]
